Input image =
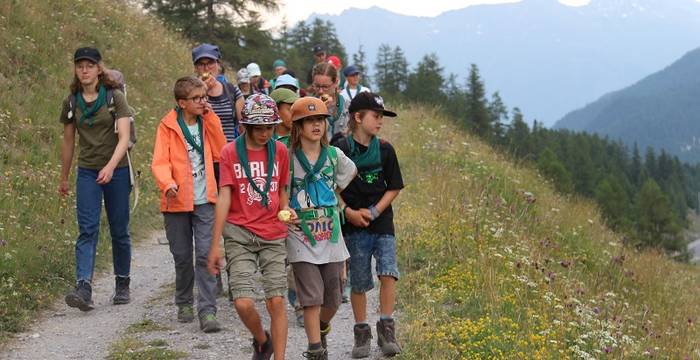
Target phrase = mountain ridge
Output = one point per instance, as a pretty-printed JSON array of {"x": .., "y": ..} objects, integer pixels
[{"x": 572, "y": 53}]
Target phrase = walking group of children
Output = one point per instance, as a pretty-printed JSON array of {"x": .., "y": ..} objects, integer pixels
[{"x": 261, "y": 174}]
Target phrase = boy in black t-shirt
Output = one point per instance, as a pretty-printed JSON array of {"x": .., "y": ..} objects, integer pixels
[{"x": 369, "y": 227}]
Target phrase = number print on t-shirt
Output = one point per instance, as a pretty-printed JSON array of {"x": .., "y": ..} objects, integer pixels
[{"x": 258, "y": 171}]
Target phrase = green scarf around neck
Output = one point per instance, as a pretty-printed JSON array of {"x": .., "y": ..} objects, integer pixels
[
  {"x": 90, "y": 112},
  {"x": 304, "y": 162},
  {"x": 186, "y": 131},
  {"x": 242, "y": 152},
  {"x": 369, "y": 162}
]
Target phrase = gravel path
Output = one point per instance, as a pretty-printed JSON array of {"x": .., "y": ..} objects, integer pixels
[{"x": 66, "y": 333}]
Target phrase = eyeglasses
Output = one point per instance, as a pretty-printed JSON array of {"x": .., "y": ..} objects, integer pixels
[
  {"x": 203, "y": 64},
  {"x": 198, "y": 99},
  {"x": 322, "y": 87}
]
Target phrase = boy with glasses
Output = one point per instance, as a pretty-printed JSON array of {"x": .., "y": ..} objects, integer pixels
[{"x": 188, "y": 141}]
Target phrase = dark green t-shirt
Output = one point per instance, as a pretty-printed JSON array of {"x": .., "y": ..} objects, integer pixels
[{"x": 96, "y": 143}]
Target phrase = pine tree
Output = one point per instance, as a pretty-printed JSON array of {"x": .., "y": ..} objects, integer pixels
[
  {"x": 518, "y": 135},
  {"x": 656, "y": 227},
  {"x": 477, "y": 112},
  {"x": 498, "y": 112},
  {"x": 552, "y": 169},
  {"x": 426, "y": 83},
  {"x": 399, "y": 71},
  {"x": 359, "y": 60},
  {"x": 613, "y": 201},
  {"x": 233, "y": 25},
  {"x": 382, "y": 69}
]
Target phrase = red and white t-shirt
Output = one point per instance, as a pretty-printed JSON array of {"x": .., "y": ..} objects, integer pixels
[{"x": 247, "y": 209}]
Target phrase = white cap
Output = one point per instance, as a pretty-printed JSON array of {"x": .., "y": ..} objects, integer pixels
[
  {"x": 242, "y": 76},
  {"x": 253, "y": 69}
]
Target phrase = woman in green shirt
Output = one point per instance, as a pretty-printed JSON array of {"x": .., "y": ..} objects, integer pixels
[{"x": 97, "y": 110}]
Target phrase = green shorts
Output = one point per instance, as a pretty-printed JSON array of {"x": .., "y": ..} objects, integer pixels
[{"x": 244, "y": 251}]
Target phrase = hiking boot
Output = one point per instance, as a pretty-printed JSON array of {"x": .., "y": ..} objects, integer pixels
[
  {"x": 81, "y": 296},
  {"x": 386, "y": 337},
  {"x": 185, "y": 313},
  {"x": 324, "y": 332},
  {"x": 320, "y": 354},
  {"x": 121, "y": 290},
  {"x": 208, "y": 323},
  {"x": 263, "y": 351},
  {"x": 363, "y": 340}
]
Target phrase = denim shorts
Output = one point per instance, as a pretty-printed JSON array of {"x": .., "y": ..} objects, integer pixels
[{"x": 362, "y": 246}]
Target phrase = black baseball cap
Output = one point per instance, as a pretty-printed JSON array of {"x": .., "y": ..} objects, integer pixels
[
  {"x": 319, "y": 48},
  {"x": 369, "y": 101},
  {"x": 87, "y": 53}
]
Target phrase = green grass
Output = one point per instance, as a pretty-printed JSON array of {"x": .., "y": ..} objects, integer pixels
[
  {"x": 497, "y": 265},
  {"x": 37, "y": 227},
  {"x": 488, "y": 270},
  {"x": 134, "y": 349},
  {"x": 145, "y": 325}
]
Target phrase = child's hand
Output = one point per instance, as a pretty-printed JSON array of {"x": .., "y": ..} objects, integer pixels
[
  {"x": 64, "y": 188},
  {"x": 105, "y": 175},
  {"x": 356, "y": 217},
  {"x": 214, "y": 261},
  {"x": 366, "y": 214},
  {"x": 172, "y": 192},
  {"x": 288, "y": 216}
]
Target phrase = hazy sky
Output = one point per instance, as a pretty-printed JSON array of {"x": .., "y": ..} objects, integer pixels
[{"x": 295, "y": 10}]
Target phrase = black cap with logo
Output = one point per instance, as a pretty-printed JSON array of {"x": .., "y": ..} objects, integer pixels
[
  {"x": 87, "y": 53},
  {"x": 369, "y": 101}
]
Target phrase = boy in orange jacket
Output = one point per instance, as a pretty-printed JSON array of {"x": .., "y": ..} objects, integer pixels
[{"x": 188, "y": 142}]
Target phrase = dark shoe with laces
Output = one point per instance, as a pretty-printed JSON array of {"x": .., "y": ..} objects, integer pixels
[
  {"x": 208, "y": 323},
  {"x": 185, "y": 313},
  {"x": 263, "y": 351},
  {"x": 121, "y": 290},
  {"x": 81, "y": 296},
  {"x": 386, "y": 337},
  {"x": 319, "y": 354},
  {"x": 363, "y": 340}
]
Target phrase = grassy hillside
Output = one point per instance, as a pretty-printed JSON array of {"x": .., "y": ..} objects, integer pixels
[
  {"x": 497, "y": 265},
  {"x": 37, "y": 40}
]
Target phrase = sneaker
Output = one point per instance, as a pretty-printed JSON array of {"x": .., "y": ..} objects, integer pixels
[
  {"x": 263, "y": 351},
  {"x": 320, "y": 354},
  {"x": 299, "y": 314},
  {"x": 121, "y": 290},
  {"x": 81, "y": 296},
  {"x": 363, "y": 339},
  {"x": 324, "y": 333},
  {"x": 386, "y": 337},
  {"x": 208, "y": 323},
  {"x": 185, "y": 313}
]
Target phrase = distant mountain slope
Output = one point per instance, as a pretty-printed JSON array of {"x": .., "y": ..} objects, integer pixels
[
  {"x": 544, "y": 57},
  {"x": 662, "y": 111}
]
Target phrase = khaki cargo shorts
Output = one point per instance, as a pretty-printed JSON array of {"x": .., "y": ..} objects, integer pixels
[{"x": 245, "y": 254}]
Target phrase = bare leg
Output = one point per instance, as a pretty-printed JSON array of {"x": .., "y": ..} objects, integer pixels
[
  {"x": 327, "y": 314},
  {"x": 245, "y": 307},
  {"x": 359, "y": 306},
  {"x": 277, "y": 308},
  {"x": 312, "y": 324},
  {"x": 387, "y": 295}
]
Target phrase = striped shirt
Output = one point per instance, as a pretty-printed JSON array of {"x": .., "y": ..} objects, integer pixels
[{"x": 225, "y": 109}]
